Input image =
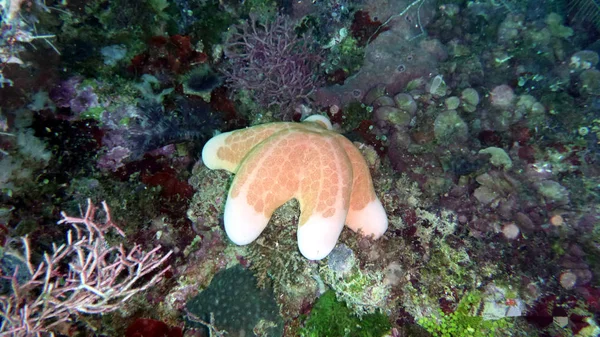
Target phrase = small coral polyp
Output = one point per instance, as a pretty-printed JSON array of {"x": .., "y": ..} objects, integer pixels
[
  {"x": 502, "y": 96},
  {"x": 277, "y": 162}
]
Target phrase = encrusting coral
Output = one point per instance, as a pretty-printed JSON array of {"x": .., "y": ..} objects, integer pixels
[{"x": 307, "y": 161}]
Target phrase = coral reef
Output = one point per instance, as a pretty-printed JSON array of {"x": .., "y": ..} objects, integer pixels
[{"x": 477, "y": 122}]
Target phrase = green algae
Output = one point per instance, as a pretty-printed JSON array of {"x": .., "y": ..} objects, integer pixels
[
  {"x": 332, "y": 318},
  {"x": 464, "y": 321}
]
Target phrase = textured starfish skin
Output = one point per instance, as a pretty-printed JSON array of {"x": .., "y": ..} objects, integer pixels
[{"x": 277, "y": 162}]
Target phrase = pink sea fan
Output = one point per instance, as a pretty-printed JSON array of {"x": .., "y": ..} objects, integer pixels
[{"x": 271, "y": 61}]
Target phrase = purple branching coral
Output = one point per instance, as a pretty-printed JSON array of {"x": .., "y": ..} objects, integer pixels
[
  {"x": 270, "y": 60},
  {"x": 72, "y": 94}
]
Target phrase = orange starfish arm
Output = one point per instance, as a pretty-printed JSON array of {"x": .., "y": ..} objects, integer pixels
[
  {"x": 366, "y": 213},
  {"x": 227, "y": 150}
]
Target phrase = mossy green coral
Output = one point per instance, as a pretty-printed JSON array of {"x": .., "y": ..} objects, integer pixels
[
  {"x": 354, "y": 113},
  {"x": 464, "y": 321},
  {"x": 332, "y": 318},
  {"x": 263, "y": 10},
  {"x": 448, "y": 268},
  {"x": 210, "y": 22},
  {"x": 346, "y": 54},
  {"x": 364, "y": 291}
]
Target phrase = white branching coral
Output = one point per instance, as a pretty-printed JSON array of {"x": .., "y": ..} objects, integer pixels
[{"x": 83, "y": 275}]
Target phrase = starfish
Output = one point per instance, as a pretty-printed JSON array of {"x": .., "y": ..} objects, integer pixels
[{"x": 276, "y": 162}]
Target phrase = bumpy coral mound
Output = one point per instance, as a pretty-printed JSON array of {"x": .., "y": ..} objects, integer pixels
[{"x": 237, "y": 306}]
